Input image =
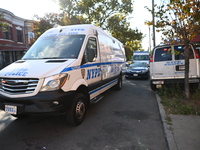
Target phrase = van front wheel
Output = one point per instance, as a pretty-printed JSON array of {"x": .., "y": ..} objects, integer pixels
[{"x": 76, "y": 114}]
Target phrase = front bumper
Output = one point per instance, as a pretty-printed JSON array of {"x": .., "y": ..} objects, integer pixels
[
  {"x": 43, "y": 102},
  {"x": 173, "y": 81},
  {"x": 136, "y": 75}
]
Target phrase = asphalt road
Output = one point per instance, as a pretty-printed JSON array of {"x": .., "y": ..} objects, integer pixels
[{"x": 128, "y": 119}]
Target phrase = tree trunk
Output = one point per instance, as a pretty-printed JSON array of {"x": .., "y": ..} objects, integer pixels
[{"x": 187, "y": 87}]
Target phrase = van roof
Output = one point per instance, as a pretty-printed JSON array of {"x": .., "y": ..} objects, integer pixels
[
  {"x": 76, "y": 29},
  {"x": 163, "y": 45}
]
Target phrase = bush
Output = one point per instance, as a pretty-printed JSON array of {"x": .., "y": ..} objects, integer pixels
[{"x": 172, "y": 100}]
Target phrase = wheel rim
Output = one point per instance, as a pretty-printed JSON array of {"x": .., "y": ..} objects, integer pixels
[{"x": 80, "y": 109}]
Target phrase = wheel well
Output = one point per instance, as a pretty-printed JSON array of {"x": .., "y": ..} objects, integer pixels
[{"x": 83, "y": 89}]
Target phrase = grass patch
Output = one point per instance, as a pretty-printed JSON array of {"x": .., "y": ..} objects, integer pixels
[
  {"x": 172, "y": 100},
  {"x": 168, "y": 120}
]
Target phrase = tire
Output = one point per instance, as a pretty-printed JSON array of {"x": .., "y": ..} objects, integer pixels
[
  {"x": 194, "y": 86},
  {"x": 76, "y": 114},
  {"x": 118, "y": 86},
  {"x": 153, "y": 87}
]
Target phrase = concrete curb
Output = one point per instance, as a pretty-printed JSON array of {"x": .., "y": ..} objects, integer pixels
[{"x": 166, "y": 126}]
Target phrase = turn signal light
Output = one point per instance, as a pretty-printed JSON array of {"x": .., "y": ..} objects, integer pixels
[
  {"x": 151, "y": 58},
  {"x": 196, "y": 53}
]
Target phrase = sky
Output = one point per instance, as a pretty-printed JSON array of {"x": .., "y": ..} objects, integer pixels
[{"x": 27, "y": 8}]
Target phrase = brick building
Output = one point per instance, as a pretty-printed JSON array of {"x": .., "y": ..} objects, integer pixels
[{"x": 14, "y": 37}]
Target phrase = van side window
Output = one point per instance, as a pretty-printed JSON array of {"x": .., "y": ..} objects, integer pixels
[
  {"x": 163, "y": 54},
  {"x": 179, "y": 53},
  {"x": 90, "y": 53}
]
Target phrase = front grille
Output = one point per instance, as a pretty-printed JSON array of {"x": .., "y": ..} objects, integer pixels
[{"x": 18, "y": 86}]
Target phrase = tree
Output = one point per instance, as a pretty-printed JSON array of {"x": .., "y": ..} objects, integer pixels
[
  {"x": 179, "y": 19},
  {"x": 2, "y": 21},
  {"x": 111, "y": 15},
  {"x": 119, "y": 28},
  {"x": 96, "y": 11},
  {"x": 41, "y": 24},
  {"x": 128, "y": 53}
]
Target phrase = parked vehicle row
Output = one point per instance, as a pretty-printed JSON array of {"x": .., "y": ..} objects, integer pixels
[
  {"x": 167, "y": 66},
  {"x": 69, "y": 67}
]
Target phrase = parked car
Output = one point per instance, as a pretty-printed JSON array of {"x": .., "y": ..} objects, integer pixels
[{"x": 138, "y": 69}]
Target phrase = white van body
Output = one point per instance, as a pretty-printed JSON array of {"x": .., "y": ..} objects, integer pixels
[
  {"x": 167, "y": 65},
  {"x": 141, "y": 56},
  {"x": 64, "y": 70}
]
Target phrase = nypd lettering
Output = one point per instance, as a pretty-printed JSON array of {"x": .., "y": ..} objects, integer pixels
[
  {"x": 17, "y": 72},
  {"x": 76, "y": 31},
  {"x": 93, "y": 73},
  {"x": 170, "y": 63},
  {"x": 71, "y": 31},
  {"x": 115, "y": 70}
]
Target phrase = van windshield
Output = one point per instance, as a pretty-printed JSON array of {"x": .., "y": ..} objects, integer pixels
[
  {"x": 141, "y": 57},
  {"x": 56, "y": 47}
]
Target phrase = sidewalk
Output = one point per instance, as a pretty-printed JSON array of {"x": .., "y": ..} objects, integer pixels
[{"x": 182, "y": 131}]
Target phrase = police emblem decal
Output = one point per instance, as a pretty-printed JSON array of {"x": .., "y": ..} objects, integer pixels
[{"x": 83, "y": 73}]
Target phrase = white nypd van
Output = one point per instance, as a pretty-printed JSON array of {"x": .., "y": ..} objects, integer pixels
[
  {"x": 141, "y": 56},
  {"x": 65, "y": 70},
  {"x": 167, "y": 66}
]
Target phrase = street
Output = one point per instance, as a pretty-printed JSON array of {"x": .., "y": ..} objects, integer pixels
[{"x": 128, "y": 119}]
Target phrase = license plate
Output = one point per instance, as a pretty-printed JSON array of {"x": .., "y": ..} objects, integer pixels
[
  {"x": 11, "y": 109},
  {"x": 193, "y": 80},
  {"x": 135, "y": 75}
]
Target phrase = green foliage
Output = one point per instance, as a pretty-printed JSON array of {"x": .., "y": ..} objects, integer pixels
[
  {"x": 128, "y": 53},
  {"x": 2, "y": 21},
  {"x": 111, "y": 15},
  {"x": 119, "y": 28},
  {"x": 50, "y": 19},
  {"x": 43, "y": 24},
  {"x": 178, "y": 19},
  {"x": 96, "y": 11},
  {"x": 172, "y": 99}
]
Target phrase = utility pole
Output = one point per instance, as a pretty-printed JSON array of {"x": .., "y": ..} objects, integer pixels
[
  {"x": 153, "y": 18},
  {"x": 149, "y": 39}
]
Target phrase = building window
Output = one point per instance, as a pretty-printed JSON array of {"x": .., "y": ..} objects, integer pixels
[
  {"x": 11, "y": 33},
  {"x": 5, "y": 33},
  {"x": 19, "y": 36}
]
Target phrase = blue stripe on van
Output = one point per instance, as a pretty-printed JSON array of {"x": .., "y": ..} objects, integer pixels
[
  {"x": 104, "y": 86},
  {"x": 89, "y": 65}
]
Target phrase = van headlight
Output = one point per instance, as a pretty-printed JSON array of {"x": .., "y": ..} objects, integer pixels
[{"x": 54, "y": 82}]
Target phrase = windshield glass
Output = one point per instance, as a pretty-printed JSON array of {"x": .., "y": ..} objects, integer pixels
[
  {"x": 141, "y": 57},
  {"x": 138, "y": 64},
  {"x": 56, "y": 47}
]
